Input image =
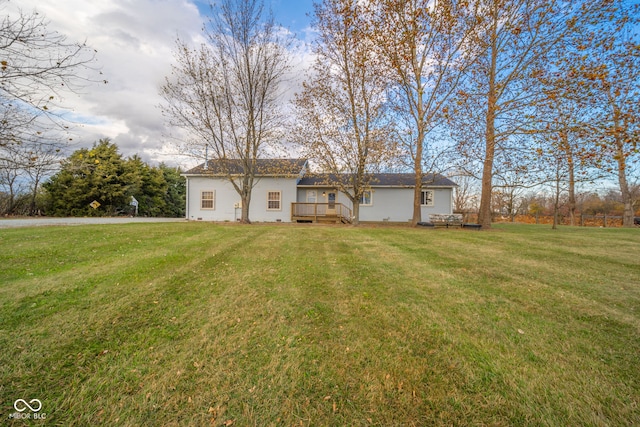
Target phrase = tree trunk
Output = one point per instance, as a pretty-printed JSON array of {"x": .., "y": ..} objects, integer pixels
[
  {"x": 572, "y": 191},
  {"x": 12, "y": 196},
  {"x": 356, "y": 212},
  {"x": 417, "y": 195},
  {"x": 244, "y": 217},
  {"x": 34, "y": 195},
  {"x": 417, "y": 168},
  {"x": 572, "y": 179},
  {"x": 417, "y": 164},
  {"x": 512, "y": 206},
  {"x": 627, "y": 218},
  {"x": 628, "y": 214},
  {"x": 484, "y": 215},
  {"x": 556, "y": 202}
]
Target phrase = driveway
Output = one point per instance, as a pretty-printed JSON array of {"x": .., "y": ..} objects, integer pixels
[{"x": 35, "y": 222}]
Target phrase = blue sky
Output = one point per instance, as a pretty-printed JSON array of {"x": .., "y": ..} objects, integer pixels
[{"x": 292, "y": 14}]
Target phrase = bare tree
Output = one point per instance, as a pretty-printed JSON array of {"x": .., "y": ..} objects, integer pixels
[
  {"x": 37, "y": 66},
  {"x": 613, "y": 74},
  {"x": 573, "y": 129},
  {"x": 226, "y": 94},
  {"x": 426, "y": 47},
  {"x": 40, "y": 159},
  {"x": 465, "y": 196},
  {"x": 12, "y": 180},
  {"x": 518, "y": 37},
  {"x": 341, "y": 123},
  {"x": 567, "y": 148}
]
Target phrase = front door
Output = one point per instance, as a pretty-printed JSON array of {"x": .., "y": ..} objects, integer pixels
[{"x": 331, "y": 198}]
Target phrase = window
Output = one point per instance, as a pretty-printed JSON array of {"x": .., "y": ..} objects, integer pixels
[
  {"x": 367, "y": 198},
  {"x": 207, "y": 200},
  {"x": 426, "y": 198},
  {"x": 273, "y": 200},
  {"x": 312, "y": 196}
]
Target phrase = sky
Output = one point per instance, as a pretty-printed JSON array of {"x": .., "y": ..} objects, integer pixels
[{"x": 134, "y": 40}]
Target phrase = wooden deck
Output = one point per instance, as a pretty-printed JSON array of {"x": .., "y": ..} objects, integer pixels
[{"x": 320, "y": 212}]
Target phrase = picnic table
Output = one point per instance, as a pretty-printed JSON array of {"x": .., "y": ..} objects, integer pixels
[{"x": 446, "y": 220}]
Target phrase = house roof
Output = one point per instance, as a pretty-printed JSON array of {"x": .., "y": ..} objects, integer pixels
[
  {"x": 297, "y": 167},
  {"x": 273, "y": 167},
  {"x": 381, "y": 180}
]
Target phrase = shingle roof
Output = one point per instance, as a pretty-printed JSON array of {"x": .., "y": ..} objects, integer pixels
[
  {"x": 294, "y": 167},
  {"x": 274, "y": 167},
  {"x": 382, "y": 180}
]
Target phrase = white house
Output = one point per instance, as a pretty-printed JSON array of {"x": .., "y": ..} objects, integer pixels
[{"x": 284, "y": 191}]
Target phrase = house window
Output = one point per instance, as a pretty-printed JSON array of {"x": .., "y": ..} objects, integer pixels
[
  {"x": 367, "y": 198},
  {"x": 207, "y": 200},
  {"x": 312, "y": 196},
  {"x": 273, "y": 200},
  {"x": 426, "y": 198}
]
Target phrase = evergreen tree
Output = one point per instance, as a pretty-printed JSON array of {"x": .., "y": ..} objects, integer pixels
[
  {"x": 88, "y": 175},
  {"x": 147, "y": 185},
  {"x": 175, "y": 197},
  {"x": 101, "y": 174}
]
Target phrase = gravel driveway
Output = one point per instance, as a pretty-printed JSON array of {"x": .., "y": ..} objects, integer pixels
[{"x": 35, "y": 222}]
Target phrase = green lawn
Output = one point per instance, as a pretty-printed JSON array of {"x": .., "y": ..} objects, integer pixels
[{"x": 197, "y": 324}]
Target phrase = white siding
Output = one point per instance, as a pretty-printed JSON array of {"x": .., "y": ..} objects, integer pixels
[
  {"x": 396, "y": 204},
  {"x": 390, "y": 203},
  {"x": 226, "y": 198}
]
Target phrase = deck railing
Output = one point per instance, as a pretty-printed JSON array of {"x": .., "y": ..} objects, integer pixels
[{"x": 320, "y": 211}]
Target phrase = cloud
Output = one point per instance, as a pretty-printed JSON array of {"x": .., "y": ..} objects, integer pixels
[{"x": 134, "y": 43}]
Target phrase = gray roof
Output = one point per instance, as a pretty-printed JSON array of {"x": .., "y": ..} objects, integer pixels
[
  {"x": 295, "y": 167},
  {"x": 382, "y": 180},
  {"x": 273, "y": 167}
]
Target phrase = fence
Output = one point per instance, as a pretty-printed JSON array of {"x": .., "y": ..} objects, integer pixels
[{"x": 582, "y": 220}]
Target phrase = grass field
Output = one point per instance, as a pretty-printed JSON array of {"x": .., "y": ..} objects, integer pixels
[{"x": 194, "y": 324}]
